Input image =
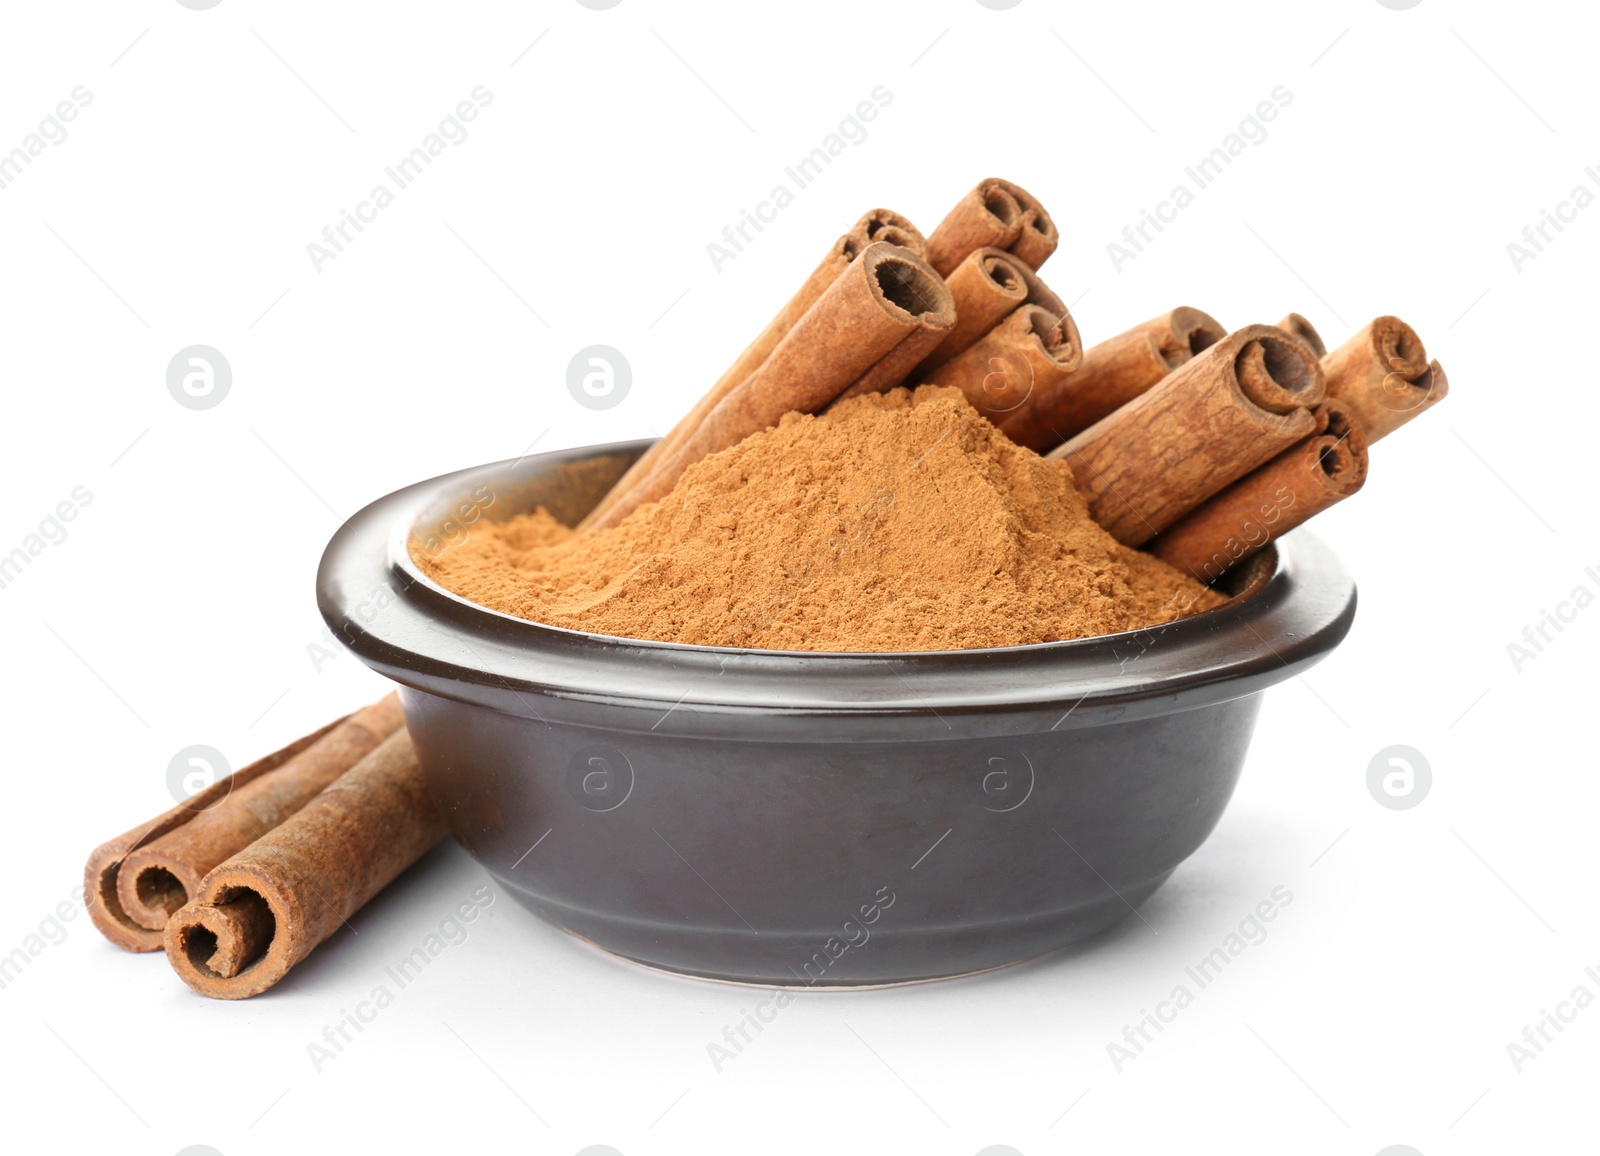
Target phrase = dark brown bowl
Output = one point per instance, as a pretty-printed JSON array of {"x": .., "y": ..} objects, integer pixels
[{"x": 798, "y": 817}]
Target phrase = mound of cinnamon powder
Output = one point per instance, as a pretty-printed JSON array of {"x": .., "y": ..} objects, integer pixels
[{"x": 897, "y": 521}]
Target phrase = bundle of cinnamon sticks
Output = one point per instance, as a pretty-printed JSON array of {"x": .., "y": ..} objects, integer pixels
[
  {"x": 1199, "y": 444},
  {"x": 242, "y": 880}
]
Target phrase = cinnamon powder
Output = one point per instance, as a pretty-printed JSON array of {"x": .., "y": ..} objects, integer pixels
[{"x": 893, "y": 521}]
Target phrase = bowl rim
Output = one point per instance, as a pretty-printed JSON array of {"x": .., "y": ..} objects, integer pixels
[{"x": 427, "y": 636}]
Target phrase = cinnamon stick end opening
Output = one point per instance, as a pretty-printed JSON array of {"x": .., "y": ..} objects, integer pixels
[
  {"x": 151, "y": 886},
  {"x": 1398, "y": 347},
  {"x": 105, "y": 908},
  {"x": 159, "y": 889},
  {"x": 1000, "y": 203},
  {"x": 887, "y": 225},
  {"x": 225, "y": 950},
  {"x": 1003, "y": 274},
  {"x": 1278, "y": 373},
  {"x": 1193, "y": 332},
  {"x": 1297, "y": 326},
  {"x": 908, "y": 284}
]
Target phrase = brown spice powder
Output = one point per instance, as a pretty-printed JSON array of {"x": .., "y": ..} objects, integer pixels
[{"x": 894, "y": 521}]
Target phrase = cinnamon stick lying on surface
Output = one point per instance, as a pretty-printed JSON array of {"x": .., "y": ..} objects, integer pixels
[
  {"x": 987, "y": 217},
  {"x": 160, "y": 876},
  {"x": 874, "y": 225},
  {"x": 1120, "y": 368},
  {"x": 1027, "y": 354},
  {"x": 1209, "y": 422},
  {"x": 266, "y": 908},
  {"x": 1383, "y": 376},
  {"x": 158, "y": 864},
  {"x": 1243, "y": 519},
  {"x": 1297, "y": 326},
  {"x": 104, "y": 866},
  {"x": 885, "y": 297}
]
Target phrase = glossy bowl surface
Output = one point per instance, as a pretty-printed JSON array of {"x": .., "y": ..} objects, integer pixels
[{"x": 806, "y": 818}]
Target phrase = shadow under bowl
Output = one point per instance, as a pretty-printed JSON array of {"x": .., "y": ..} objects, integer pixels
[{"x": 812, "y": 818}]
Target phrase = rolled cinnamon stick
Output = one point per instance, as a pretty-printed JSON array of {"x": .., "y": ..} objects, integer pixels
[
  {"x": 1297, "y": 326},
  {"x": 886, "y": 296},
  {"x": 987, "y": 217},
  {"x": 265, "y": 909},
  {"x": 1209, "y": 422},
  {"x": 1037, "y": 236},
  {"x": 162, "y": 874},
  {"x": 1383, "y": 376},
  {"x": 874, "y": 225},
  {"x": 834, "y": 262},
  {"x": 104, "y": 866},
  {"x": 899, "y": 363},
  {"x": 887, "y": 225},
  {"x": 986, "y": 287},
  {"x": 1120, "y": 368},
  {"x": 1028, "y": 353},
  {"x": 1288, "y": 491}
]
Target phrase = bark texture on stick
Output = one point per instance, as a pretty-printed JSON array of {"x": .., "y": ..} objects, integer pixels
[
  {"x": 1215, "y": 418},
  {"x": 886, "y": 296},
  {"x": 1258, "y": 509},
  {"x": 266, "y": 908},
  {"x": 1120, "y": 368},
  {"x": 1383, "y": 376}
]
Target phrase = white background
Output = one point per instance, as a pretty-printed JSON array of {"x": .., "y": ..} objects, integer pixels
[{"x": 179, "y": 608}]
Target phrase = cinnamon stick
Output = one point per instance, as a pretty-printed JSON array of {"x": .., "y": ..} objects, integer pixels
[
  {"x": 899, "y": 363},
  {"x": 834, "y": 262},
  {"x": 1383, "y": 376},
  {"x": 886, "y": 296},
  {"x": 873, "y": 226},
  {"x": 1120, "y": 368},
  {"x": 1258, "y": 509},
  {"x": 267, "y": 907},
  {"x": 987, "y": 217},
  {"x": 1027, "y": 354},
  {"x": 1209, "y": 422},
  {"x": 1037, "y": 236},
  {"x": 887, "y": 225},
  {"x": 104, "y": 870},
  {"x": 104, "y": 866},
  {"x": 162, "y": 872},
  {"x": 1297, "y": 326},
  {"x": 986, "y": 287}
]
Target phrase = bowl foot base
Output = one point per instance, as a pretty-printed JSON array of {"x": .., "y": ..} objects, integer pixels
[
  {"x": 792, "y": 960},
  {"x": 775, "y": 985}
]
